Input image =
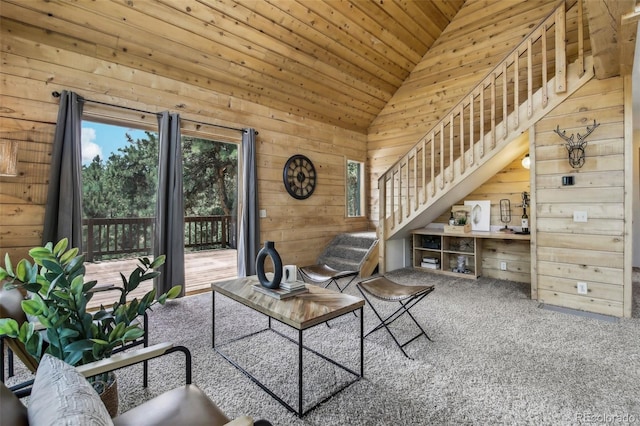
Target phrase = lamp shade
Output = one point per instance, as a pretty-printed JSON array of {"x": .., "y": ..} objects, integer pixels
[{"x": 526, "y": 161}]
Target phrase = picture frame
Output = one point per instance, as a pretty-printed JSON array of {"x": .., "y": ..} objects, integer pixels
[{"x": 480, "y": 216}]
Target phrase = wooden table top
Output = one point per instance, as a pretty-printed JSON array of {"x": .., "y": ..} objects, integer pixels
[{"x": 301, "y": 311}]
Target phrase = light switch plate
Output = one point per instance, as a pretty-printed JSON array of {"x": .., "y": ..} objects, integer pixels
[{"x": 579, "y": 216}]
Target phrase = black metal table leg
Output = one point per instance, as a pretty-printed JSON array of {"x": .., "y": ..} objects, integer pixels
[{"x": 300, "y": 372}]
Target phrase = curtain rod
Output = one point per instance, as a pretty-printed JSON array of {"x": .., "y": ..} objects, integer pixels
[{"x": 56, "y": 94}]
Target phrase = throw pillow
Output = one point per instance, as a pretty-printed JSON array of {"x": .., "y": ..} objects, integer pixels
[{"x": 62, "y": 396}]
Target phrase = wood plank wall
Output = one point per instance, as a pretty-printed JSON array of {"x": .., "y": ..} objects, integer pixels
[
  {"x": 35, "y": 63},
  {"x": 593, "y": 252},
  {"x": 479, "y": 37}
]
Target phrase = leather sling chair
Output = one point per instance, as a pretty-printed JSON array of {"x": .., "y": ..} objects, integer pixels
[{"x": 407, "y": 296}]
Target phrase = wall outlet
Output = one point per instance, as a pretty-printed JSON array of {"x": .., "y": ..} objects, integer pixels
[
  {"x": 582, "y": 288},
  {"x": 263, "y": 213},
  {"x": 503, "y": 266},
  {"x": 579, "y": 216}
]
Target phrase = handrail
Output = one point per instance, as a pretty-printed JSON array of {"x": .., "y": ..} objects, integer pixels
[
  {"x": 492, "y": 112},
  {"x": 111, "y": 237}
]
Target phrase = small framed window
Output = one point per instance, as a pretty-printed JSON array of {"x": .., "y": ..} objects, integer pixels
[{"x": 355, "y": 188}]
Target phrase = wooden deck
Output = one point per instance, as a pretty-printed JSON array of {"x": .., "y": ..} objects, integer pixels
[{"x": 201, "y": 269}]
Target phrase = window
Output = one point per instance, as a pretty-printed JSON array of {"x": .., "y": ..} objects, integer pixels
[{"x": 355, "y": 188}]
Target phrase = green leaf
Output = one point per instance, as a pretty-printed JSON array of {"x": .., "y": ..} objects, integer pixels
[
  {"x": 40, "y": 253},
  {"x": 8, "y": 266},
  {"x": 67, "y": 333},
  {"x": 23, "y": 271},
  {"x": 77, "y": 284},
  {"x": 73, "y": 358},
  {"x": 149, "y": 276},
  {"x": 62, "y": 295},
  {"x": 52, "y": 266},
  {"x": 9, "y": 327},
  {"x": 3, "y": 274},
  {"x": 133, "y": 334},
  {"x": 32, "y": 306},
  {"x": 158, "y": 261},
  {"x": 117, "y": 332},
  {"x": 33, "y": 345},
  {"x": 80, "y": 346},
  {"x": 68, "y": 256},
  {"x": 76, "y": 264},
  {"x": 61, "y": 246},
  {"x": 174, "y": 291}
]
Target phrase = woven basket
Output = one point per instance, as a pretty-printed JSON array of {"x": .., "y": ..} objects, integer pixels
[{"x": 109, "y": 396}]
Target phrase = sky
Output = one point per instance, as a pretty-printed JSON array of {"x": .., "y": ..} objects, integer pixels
[{"x": 103, "y": 139}]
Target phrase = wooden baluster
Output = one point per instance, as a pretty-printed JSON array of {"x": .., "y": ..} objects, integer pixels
[
  {"x": 442, "y": 155},
  {"x": 424, "y": 170},
  {"x": 545, "y": 94},
  {"x": 493, "y": 110},
  {"x": 561, "y": 50},
  {"x": 462, "y": 157},
  {"x": 451, "y": 147},
  {"x": 481, "y": 111},
  {"x": 415, "y": 181},
  {"x": 382, "y": 203},
  {"x": 581, "y": 70},
  {"x": 516, "y": 89},
  {"x": 529, "y": 79},
  {"x": 432, "y": 141},
  {"x": 392, "y": 199},
  {"x": 471, "y": 120},
  {"x": 505, "y": 99}
]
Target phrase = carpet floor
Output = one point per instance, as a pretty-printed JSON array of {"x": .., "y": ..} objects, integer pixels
[{"x": 496, "y": 358}]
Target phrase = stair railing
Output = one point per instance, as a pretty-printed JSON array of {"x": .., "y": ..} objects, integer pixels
[{"x": 492, "y": 111}]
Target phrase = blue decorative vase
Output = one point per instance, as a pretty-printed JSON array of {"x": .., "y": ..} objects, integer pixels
[{"x": 269, "y": 249}]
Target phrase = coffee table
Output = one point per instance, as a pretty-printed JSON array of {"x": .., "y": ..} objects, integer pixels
[{"x": 300, "y": 312}]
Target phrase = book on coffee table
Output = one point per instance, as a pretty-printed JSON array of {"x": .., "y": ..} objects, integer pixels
[{"x": 279, "y": 293}]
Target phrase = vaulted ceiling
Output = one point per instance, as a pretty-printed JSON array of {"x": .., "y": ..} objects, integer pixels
[{"x": 336, "y": 61}]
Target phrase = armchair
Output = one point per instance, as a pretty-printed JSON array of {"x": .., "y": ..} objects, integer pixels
[{"x": 62, "y": 395}]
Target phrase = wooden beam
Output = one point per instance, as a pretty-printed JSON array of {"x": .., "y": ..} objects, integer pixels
[
  {"x": 604, "y": 18},
  {"x": 628, "y": 31}
]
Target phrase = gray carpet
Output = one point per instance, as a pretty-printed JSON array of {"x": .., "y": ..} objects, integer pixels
[{"x": 496, "y": 358}]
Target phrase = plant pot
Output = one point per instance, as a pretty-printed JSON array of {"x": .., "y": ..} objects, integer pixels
[{"x": 108, "y": 393}]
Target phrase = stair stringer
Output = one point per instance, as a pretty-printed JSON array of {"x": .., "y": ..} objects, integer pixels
[{"x": 459, "y": 184}]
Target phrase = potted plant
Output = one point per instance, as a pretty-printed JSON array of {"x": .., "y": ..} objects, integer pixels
[{"x": 59, "y": 297}]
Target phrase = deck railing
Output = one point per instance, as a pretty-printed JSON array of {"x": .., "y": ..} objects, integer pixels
[
  {"x": 117, "y": 237},
  {"x": 512, "y": 96}
]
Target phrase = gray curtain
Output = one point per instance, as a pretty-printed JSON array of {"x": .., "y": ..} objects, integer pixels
[
  {"x": 169, "y": 226},
  {"x": 63, "y": 212},
  {"x": 249, "y": 223}
]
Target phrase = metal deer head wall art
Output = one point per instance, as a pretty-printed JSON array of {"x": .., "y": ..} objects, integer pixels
[{"x": 576, "y": 147}]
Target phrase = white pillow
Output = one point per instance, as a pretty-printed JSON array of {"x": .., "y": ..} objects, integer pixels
[{"x": 62, "y": 396}]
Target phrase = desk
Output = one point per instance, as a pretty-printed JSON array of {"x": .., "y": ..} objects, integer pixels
[
  {"x": 438, "y": 251},
  {"x": 300, "y": 312}
]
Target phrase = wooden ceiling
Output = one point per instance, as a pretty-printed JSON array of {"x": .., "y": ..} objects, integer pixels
[{"x": 337, "y": 61}]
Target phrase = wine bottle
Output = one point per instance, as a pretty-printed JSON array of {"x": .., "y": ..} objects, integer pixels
[
  {"x": 452, "y": 220},
  {"x": 525, "y": 221}
]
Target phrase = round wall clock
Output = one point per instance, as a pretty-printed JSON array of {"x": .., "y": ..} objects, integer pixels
[{"x": 299, "y": 177}]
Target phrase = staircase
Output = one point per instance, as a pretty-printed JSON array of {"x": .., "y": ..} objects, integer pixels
[
  {"x": 356, "y": 251},
  {"x": 487, "y": 129}
]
